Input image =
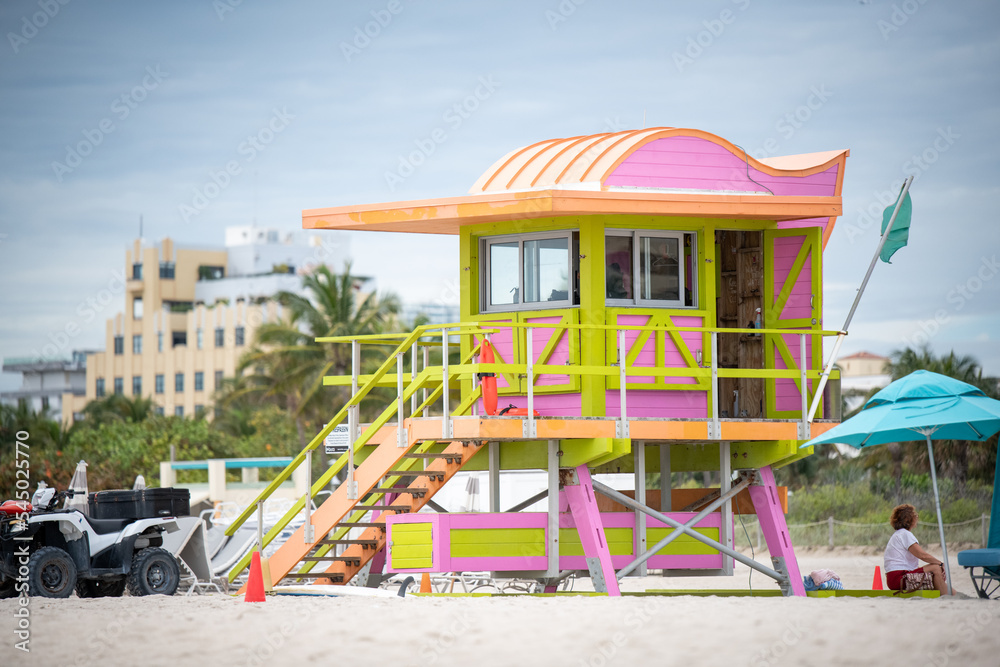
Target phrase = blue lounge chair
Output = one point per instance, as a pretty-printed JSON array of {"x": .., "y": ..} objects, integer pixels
[{"x": 984, "y": 564}]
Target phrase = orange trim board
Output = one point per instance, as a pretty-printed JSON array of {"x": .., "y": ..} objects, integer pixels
[
  {"x": 448, "y": 215},
  {"x": 505, "y": 428}
]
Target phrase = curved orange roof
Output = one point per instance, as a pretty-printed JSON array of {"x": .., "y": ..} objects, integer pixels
[{"x": 586, "y": 162}]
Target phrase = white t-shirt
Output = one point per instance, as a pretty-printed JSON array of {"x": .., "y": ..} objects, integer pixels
[{"x": 897, "y": 555}]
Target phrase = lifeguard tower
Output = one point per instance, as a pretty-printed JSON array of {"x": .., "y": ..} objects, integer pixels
[{"x": 648, "y": 301}]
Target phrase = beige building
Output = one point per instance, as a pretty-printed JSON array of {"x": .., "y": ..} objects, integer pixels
[
  {"x": 862, "y": 364},
  {"x": 190, "y": 313}
]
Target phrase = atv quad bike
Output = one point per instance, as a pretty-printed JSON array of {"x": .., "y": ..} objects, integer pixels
[{"x": 50, "y": 552}]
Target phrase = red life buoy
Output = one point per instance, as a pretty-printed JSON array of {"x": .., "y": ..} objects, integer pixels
[{"x": 488, "y": 380}]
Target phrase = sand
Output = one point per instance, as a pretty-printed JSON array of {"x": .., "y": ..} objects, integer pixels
[{"x": 598, "y": 631}]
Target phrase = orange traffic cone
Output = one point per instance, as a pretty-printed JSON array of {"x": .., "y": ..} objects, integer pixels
[
  {"x": 877, "y": 580},
  {"x": 255, "y": 582},
  {"x": 425, "y": 583}
]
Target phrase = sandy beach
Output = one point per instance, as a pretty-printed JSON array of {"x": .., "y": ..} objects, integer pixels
[{"x": 222, "y": 630}]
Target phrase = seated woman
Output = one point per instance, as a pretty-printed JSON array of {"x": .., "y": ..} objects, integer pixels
[{"x": 902, "y": 569}]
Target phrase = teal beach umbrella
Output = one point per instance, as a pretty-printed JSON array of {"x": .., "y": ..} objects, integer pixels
[{"x": 921, "y": 406}]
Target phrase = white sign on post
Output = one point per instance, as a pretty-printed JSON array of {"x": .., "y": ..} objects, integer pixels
[{"x": 338, "y": 440}]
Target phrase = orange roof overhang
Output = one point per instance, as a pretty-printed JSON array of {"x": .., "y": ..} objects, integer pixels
[{"x": 448, "y": 215}]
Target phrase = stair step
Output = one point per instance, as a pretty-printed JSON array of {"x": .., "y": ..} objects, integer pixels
[
  {"x": 451, "y": 458},
  {"x": 350, "y": 560},
  {"x": 417, "y": 493},
  {"x": 399, "y": 508},
  {"x": 364, "y": 543},
  {"x": 360, "y": 524},
  {"x": 335, "y": 577},
  {"x": 416, "y": 473}
]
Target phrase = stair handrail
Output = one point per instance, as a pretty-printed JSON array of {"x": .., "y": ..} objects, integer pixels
[{"x": 373, "y": 380}]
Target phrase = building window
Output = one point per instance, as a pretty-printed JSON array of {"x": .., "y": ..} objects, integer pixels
[
  {"x": 137, "y": 308},
  {"x": 179, "y": 382},
  {"x": 119, "y": 386},
  {"x": 218, "y": 380},
  {"x": 167, "y": 270},
  {"x": 99, "y": 388},
  {"x": 158, "y": 410},
  {"x": 200, "y": 337},
  {"x": 137, "y": 385},
  {"x": 158, "y": 381},
  {"x": 179, "y": 338},
  {"x": 137, "y": 271},
  {"x": 199, "y": 410},
  {"x": 199, "y": 381},
  {"x": 159, "y": 341},
  {"x": 137, "y": 344},
  {"x": 179, "y": 411},
  {"x": 211, "y": 272},
  {"x": 119, "y": 344},
  {"x": 531, "y": 271},
  {"x": 220, "y": 337},
  {"x": 240, "y": 335},
  {"x": 650, "y": 268},
  {"x": 45, "y": 403}
]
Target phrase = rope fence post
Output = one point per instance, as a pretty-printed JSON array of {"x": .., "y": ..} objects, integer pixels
[{"x": 829, "y": 522}]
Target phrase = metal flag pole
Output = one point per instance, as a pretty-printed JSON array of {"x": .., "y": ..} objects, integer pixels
[{"x": 857, "y": 300}]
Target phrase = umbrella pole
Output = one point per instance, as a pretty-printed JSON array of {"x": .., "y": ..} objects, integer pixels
[{"x": 937, "y": 504}]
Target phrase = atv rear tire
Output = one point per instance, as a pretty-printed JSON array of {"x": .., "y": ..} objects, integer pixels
[
  {"x": 51, "y": 573},
  {"x": 154, "y": 572},
  {"x": 100, "y": 588}
]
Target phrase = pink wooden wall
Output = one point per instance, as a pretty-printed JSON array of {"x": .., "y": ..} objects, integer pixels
[
  {"x": 693, "y": 163},
  {"x": 442, "y": 524},
  {"x": 786, "y": 248}
]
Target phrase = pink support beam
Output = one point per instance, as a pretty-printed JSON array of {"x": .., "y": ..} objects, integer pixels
[
  {"x": 772, "y": 524},
  {"x": 587, "y": 517}
]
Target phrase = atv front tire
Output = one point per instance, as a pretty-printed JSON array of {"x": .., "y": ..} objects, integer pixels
[
  {"x": 154, "y": 572},
  {"x": 51, "y": 573},
  {"x": 100, "y": 588}
]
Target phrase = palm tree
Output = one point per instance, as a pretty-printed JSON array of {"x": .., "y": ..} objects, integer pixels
[
  {"x": 956, "y": 459},
  {"x": 286, "y": 365},
  {"x": 117, "y": 407}
]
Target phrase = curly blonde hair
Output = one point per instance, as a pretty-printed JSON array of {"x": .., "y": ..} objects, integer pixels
[{"x": 903, "y": 516}]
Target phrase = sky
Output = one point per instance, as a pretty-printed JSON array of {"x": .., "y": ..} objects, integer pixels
[{"x": 197, "y": 115}]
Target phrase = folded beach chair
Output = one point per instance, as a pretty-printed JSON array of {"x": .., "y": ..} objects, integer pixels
[
  {"x": 215, "y": 535},
  {"x": 188, "y": 547},
  {"x": 234, "y": 549}
]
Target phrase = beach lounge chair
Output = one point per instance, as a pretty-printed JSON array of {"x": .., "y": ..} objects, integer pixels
[{"x": 984, "y": 564}]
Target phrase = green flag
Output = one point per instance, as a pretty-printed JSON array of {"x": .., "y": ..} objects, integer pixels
[{"x": 900, "y": 233}]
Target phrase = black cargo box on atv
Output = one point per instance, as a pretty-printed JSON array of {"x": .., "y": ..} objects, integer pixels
[{"x": 139, "y": 504}]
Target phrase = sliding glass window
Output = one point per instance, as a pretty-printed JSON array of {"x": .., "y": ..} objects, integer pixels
[
  {"x": 531, "y": 271},
  {"x": 648, "y": 268}
]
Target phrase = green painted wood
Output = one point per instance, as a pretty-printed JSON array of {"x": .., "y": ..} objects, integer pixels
[{"x": 497, "y": 542}]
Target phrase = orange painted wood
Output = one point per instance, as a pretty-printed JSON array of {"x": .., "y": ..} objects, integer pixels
[
  {"x": 667, "y": 430},
  {"x": 336, "y": 507},
  {"x": 762, "y": 430},
  {"x": 465, "y": 450},
  {"x": 447, "y": 215},
  {"x": 563, "y": 429}
]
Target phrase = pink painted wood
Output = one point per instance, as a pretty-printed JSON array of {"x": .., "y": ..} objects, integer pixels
[
  {"x": 538, "y": 520},
  {"x": 699, "y": 164},
  {"x": 560, "y": 355},
  {"x": 587, "y": 517},
  {"x": 772, "y": 524},
  {"x": 798, "y": 306}
]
